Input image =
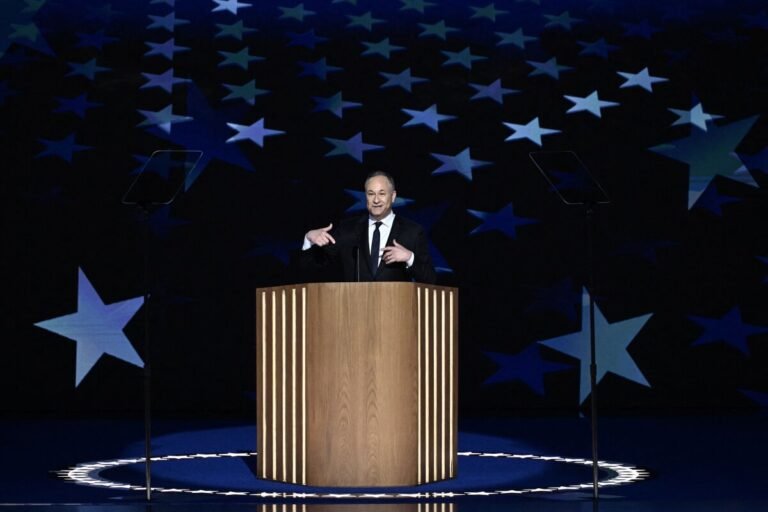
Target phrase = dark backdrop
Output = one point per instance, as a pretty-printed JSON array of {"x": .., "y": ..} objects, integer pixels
[{"x": 332, "y": 89}]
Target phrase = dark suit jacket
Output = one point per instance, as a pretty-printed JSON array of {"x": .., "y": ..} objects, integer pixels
[{"x": 351, "y": 252}]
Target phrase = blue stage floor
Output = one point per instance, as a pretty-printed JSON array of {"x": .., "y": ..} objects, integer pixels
[{"x": 657, "y": 463}]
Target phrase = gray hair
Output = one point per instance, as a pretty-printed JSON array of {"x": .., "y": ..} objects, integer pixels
[{"x": 380, "y": 173}]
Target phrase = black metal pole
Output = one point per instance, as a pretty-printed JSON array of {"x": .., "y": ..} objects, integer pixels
[
  {"x": 592, "y": 348},
  {"x": 147, "y": 358}
]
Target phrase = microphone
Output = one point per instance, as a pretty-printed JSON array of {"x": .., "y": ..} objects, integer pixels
[{"x": 356, "y": 255}]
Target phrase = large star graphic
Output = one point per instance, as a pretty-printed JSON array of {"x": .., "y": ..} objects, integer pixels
[
  {"x": 708, "y": 153},
  {"x": 712, "y": 200},
  {"x": 531, "y": 131},
  {"x": 527, "y": 366},
  {"x": 354, "y": 147},
  {"x": 612, "y": 341},
  {"x": 756, "y": 163},
  {"x": 429, "y": 117},
  {"x": 503, "y": 220},
  {"x": 207, "y": 132},
  {"x": 460, "y": 163},
  {"x": 729, "y": 329},
  {"x": 96, "y": 328}
]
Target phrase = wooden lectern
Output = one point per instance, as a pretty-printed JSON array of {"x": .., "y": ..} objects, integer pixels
[{"x": 357, "y": 383}]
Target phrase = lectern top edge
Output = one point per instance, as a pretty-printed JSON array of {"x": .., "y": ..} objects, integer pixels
[{"x": 352, "y": 283}]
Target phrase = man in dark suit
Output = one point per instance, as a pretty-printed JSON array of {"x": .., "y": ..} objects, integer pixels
[{"x": 380, "y": 246}]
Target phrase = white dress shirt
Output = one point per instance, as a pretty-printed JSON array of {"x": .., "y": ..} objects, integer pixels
[{"x": 384, "y": 230}]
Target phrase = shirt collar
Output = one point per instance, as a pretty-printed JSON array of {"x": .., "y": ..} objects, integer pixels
[{"x": 387, "y": 221}]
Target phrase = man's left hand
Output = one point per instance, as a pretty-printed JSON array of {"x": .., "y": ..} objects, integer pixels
[{"x": 395, "y": 253}]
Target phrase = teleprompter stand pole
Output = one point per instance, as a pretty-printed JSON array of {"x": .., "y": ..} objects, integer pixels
[{"x": 574, "y": 184}]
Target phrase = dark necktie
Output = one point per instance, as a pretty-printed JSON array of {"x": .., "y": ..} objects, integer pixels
[{"x": 375, "y": 243}]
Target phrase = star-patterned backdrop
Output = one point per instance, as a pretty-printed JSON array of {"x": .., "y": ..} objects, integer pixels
[{"x": 293, "y": 102}]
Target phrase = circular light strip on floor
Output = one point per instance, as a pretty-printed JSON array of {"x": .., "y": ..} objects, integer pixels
[{"x": 88, "y": 474}]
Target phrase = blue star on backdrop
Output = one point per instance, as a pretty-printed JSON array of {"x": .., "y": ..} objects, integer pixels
[
  {"x": 255, "y": 132},
  {"x": 503, "y": 220},
  {"x": 729, "y": 328},
  {"x": 642, "y": 79},
  {"x": 592, "y": 104},
  {"x": 402, "y": 79},
  {"x": 612, "y": 341},
  {"x": 96, "y": 328},
  {"x": 527, "y": 367},
  {"x": 429, "y": 80},
  {"x": 531, "y": 131},
  {"x": 63, "y": 148},
  {"x": 429, "y": 117},
  {"x": 560, "y": 298},
  {"x": 460, "y": 163},
  {"x": 708, "y": 153},
  {"x": 354, "y": 147}
]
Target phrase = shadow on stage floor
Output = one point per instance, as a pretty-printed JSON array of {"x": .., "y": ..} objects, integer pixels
[{"x": 698, "y": 463}]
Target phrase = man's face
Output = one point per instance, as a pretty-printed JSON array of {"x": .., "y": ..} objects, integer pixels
[{"x": 380, "y": 196}]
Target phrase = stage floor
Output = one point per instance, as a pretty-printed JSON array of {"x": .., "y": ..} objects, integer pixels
[{"x": 651, "y": 463}]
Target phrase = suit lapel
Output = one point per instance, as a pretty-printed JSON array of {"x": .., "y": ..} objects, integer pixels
[
  {"x": 394, "y": 232},
  {"x": 362, "y": 241}
]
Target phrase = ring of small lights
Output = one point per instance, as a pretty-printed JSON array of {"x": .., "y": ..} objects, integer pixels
[{"x": 88, "y": 474}]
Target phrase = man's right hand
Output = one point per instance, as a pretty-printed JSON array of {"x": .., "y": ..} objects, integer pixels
[{"x": 320, "y": 237}]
